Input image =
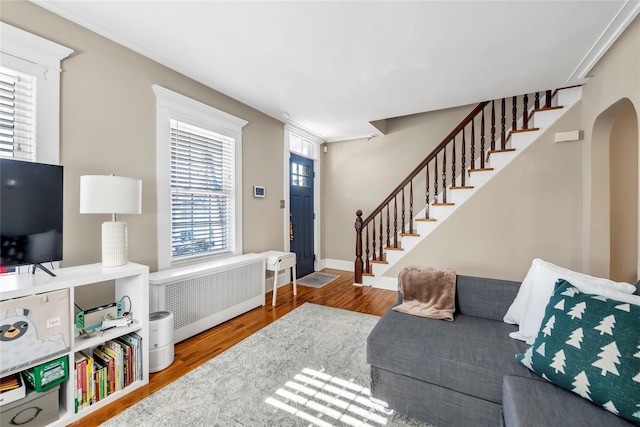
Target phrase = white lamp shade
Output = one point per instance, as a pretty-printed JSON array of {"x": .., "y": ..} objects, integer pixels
[{"x": 108, "y": 194}]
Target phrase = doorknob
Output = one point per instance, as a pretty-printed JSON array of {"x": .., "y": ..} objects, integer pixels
[{"x": 290, "y": 227}]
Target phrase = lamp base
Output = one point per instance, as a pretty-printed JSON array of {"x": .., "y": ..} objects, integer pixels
[{"x": 114, "y": 243}]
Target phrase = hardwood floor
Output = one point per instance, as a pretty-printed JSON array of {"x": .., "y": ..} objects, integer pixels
[{"x": 193, "y": 352}]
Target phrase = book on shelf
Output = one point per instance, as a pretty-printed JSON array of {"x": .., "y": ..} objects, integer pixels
[
  {"x": 135, "y": 341},
  {"x": 101, "y": 366},
  {"x": 80, "y": 362},
  {"x": 127, "y": 352},
  {"x": 116, "y": 357},
  {"x": 107, "y": 375},
  {"x": 89, "y": 380}
]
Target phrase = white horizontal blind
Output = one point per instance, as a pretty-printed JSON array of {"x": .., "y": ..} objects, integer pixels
[
  {"x": 17, "y": 115},
  {"x": 202, "y": 191}
]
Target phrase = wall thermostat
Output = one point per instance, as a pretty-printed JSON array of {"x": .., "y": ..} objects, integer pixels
[{"x": 259, "y": 191}]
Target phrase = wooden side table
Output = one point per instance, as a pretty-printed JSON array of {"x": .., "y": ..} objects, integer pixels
[{"x": 279, "y": 261}]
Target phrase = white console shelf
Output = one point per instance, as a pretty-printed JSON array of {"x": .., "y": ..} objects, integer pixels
[{"x": 131, "y": 280}]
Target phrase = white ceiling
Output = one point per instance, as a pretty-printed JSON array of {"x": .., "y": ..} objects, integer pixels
[{"x": 333, "y": 67}]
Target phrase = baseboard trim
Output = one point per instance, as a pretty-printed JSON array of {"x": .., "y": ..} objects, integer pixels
[{"x": 338, "y": 264}]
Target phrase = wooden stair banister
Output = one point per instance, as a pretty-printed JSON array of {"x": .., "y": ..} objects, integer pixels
[
  {"x": 360, "y": 223},
  {"x": 424, "y": 163},
  {"x": 364, "y": 267}
]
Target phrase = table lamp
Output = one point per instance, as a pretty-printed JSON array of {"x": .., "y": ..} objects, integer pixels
[{"x": 109, "y": 194}]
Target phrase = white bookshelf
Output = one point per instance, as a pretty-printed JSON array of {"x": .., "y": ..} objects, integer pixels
[{"x": 131, "y": 280}]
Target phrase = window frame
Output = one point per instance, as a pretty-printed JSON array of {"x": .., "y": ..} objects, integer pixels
[
  {"x": 30, "y": 54},
  {"x": 172, "y": 105}
]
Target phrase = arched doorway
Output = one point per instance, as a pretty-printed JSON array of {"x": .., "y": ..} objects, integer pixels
[{"x": 614, "y": 185}]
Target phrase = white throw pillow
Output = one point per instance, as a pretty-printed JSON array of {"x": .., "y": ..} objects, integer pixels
[
  {"x": 519, "y": 304},
  {"x": 527, "y": 309}
]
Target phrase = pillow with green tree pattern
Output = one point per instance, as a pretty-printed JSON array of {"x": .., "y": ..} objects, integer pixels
[{"x": 590, "y": 345}]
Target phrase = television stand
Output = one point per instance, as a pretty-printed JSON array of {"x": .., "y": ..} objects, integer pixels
[{"x": 43, "y": 268}]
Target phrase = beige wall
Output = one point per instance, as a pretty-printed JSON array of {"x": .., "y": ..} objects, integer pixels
[
  {"x": 623, "y": 170},
  {"x": 108, "y": 126}
]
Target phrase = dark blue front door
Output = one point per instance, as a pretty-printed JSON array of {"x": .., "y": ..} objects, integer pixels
[{"x": 301, "y": 215}]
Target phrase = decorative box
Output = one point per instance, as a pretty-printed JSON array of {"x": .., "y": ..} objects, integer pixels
[
  {"x": 47, "y": 375},
  {"x": 35, "y": 410},
  {"x": 33, "y": 329}
]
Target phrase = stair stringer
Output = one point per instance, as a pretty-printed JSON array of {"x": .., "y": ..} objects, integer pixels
[{"x": 498, "y": 161}]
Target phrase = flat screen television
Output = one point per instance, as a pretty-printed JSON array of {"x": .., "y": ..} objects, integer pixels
[{"x": 30, "y": 213}]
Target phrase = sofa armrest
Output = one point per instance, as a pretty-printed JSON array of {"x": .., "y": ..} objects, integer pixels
[{"x": 482, "y": 297}]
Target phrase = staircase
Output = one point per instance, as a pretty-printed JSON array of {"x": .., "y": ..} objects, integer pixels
[{"x": 470, "y": 156}]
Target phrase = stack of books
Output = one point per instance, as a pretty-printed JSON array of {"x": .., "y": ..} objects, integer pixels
[
  {"x": 11, "y": 389},
  {"x": 106, "y": 369},
  {"x": 9, "y": 382}
]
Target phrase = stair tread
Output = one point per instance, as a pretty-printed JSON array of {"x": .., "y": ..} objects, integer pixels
[
  {"x": 426, "y": 219},
  {"x": 375, "y": 261},
  {"x": 369, "y": 274},
  {"x": 557, "y": 107},
  {"x": 505, "y": 150},
  {"x": 525, "y": 130},
  {"x": 480, "y": 170},
  {"x": 442, "y": 204},
  {"x": 461, "y": 187},
  {"x": 391, "y": 248},
  {"x": 409, "y": 234}
]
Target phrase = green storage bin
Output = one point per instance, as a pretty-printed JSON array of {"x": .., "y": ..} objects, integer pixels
[{"x": 49, "y": 374}]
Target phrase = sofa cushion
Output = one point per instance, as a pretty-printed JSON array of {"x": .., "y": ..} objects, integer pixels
[
  {"x": 530, "y": 402},
  {"x": 482, "y": 297},
  {"x": 590, "y": 345},
  {"x": 469, "y": 355}
]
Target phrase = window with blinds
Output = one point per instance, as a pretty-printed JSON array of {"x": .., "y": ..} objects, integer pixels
[
  {"x": 17, "y": 115},
  {"x": 202, "y": 191}
]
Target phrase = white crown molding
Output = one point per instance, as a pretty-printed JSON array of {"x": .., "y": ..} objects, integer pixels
[
  {"x": 175, "y": 101},
  {"x": 39, "y": 57},
  {"x": 304, "y": 133},
  {"x": 21, "y": 44},
  {"x": 627, "y": 13}
]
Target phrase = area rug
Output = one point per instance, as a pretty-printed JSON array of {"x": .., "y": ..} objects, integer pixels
[
  {"x": 306, "y": 368},
  {"x": 317, "y": 279}
]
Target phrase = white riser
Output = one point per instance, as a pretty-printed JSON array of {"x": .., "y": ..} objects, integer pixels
[
  {"x": 544, "y": 119},
  {"x": 460, "y": 196},
  {"x": 500, "y": 160}
]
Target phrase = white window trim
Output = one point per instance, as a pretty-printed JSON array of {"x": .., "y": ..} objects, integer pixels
[
  {"x": 173, "y": 105},
  {"x": 289, "y": 129},
  {"x": 30, "y": 54}
]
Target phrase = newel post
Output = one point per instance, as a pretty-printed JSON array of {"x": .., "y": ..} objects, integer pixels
[{"x": 358, "y": 262}]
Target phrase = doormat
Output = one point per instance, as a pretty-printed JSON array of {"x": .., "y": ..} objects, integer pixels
[{"x": 317, "y": 279}]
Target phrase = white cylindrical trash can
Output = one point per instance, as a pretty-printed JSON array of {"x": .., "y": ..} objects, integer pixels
[{"x": 160, "y": 340}]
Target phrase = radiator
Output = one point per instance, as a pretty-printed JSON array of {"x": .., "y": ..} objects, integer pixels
[{"x": 204, "y": 295}]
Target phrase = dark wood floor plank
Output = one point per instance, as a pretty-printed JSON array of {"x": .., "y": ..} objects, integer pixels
[{"x": 191, "y": 353}]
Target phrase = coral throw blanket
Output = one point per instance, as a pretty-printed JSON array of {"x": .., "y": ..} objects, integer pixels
[{"x": 427, "y": 292}]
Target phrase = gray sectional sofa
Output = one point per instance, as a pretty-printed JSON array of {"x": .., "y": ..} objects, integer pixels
[{"x": 464, "y": 373}]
